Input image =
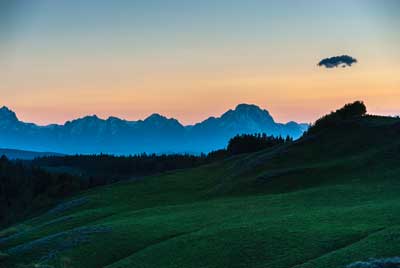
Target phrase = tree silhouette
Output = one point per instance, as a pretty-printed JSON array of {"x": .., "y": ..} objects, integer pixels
[
  {"x": 348, "y": 112},
  {"x": 247, "y": 143}
]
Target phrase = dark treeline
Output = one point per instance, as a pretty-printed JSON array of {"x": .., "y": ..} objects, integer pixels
[
  {"x": 248, "y": 143},
  {"x": 25, "y": 188},
  {"x": 349, "y": 111},
  {"x": 108, "y": 167}
]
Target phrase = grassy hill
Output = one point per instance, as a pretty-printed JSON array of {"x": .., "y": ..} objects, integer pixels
[{"x": 328, "y": 200}]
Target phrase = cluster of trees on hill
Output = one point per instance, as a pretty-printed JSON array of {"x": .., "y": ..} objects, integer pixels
[
  {"x": 103, "y": 169},
  {"x": 349, "y": 111},
  {"x": 248, "y": 143},
  {"x": 23, "y": 188}
]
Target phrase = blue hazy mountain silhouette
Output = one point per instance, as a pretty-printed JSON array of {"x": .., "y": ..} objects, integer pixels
[
  {"x": 14, "y": 154},
  {"x": 155, "y": 134}
]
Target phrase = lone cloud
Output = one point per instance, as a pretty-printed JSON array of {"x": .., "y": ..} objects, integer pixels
[{"x": 338, "y": 61}]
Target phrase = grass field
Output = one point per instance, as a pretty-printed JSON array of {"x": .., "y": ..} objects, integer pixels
[{"x": 326, "y": 201}]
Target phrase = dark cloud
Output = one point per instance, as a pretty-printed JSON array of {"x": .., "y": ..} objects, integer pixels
[{"x": 338, "y": 61}]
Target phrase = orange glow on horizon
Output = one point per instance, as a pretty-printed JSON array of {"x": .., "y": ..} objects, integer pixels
[{"x": 302, "y": 97}]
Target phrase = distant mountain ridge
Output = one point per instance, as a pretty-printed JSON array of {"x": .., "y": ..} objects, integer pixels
[
  {"x": 155, "y": 134},
  {"x": 25, "y": 155}
]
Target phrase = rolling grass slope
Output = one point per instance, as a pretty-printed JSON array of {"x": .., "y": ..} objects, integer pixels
[{"x": 328, "y": 200}]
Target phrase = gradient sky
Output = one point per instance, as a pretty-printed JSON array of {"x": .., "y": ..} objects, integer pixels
[{"x": 191, "y": 59}]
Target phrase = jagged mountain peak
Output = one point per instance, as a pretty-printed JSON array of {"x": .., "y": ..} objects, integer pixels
[
  {"x": 159, "y": 120},
  {"x": 247, "y": 107},
  {"x": 4, "y": 108},
  {"x": 113, "y": 118},
  {"x": 90, "y": 123},
  {"x": 156, "y": 117},
  {"x": 87, "y": 118},
  {"x": 7, "y": 115},
  {"x": 252, "y": 109},
  {"x": 248, "y": 113},
  {"x": 91, "y": 117}
]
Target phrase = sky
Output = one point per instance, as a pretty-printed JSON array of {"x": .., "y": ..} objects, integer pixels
[{"x": 190, "y": 59}]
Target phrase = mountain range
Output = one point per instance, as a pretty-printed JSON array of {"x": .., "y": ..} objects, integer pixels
[{"x": 155, "y": 134}]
